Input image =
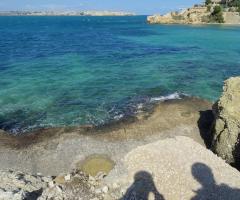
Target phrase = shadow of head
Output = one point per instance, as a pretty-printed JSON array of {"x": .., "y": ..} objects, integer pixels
[
  {"x": 209, "y": 188},
  {"x": 203, "y": 174},
  {"x": 143, "y": 176},
  {"x": 142, "y": 187}
]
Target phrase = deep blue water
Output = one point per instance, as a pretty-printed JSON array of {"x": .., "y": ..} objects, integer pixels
[{"x": 68, "y": 71}]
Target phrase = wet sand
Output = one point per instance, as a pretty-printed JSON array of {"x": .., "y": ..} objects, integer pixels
[{"x": 58, "y": 150}]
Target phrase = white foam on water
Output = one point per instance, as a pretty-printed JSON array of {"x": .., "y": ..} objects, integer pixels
[
  {"x": 118, "y": 117},
  {"x": 172, "y": 96}
]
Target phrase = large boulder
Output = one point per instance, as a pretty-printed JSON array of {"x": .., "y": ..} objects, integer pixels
[
  {"x": 227, "y": 122},
  {"x": 177, "y": 168}
]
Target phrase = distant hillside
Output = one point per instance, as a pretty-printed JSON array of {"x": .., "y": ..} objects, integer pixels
[{"x": 65, "y": 13}]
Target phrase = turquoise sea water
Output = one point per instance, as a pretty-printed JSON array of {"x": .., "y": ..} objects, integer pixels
[{"x": 67, "y": 71}]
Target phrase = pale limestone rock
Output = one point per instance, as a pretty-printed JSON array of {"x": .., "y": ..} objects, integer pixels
[
  {"x": 67, "y": 177},
  {"x": 231, "y": 17},
  {"x": 195, "y": 15},
  {"x": 51, "y": 184},
  {"x": 13, "y": 195},
  {"x": 105, "y": 189},
  {"x": 227, "y": 124},
  {"x": 18, "y": 186},
  {"x": 177, "y": 168},
  {"x": 60, "y": 179}
]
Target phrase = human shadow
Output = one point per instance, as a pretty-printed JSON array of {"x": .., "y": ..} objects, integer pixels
[
  {"x": 210, "y": 190},
  {"x": 142, "y": 188},
  {"x": 205, "y": 125}
]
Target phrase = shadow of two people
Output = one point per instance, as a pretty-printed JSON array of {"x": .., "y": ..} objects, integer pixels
[{"x": 144, "y": 187}]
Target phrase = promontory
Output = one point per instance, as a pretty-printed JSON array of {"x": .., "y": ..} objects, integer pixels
[{"x": 211, "y": 12}]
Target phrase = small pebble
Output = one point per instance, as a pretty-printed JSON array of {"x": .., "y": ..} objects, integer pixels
[
  {"x": 91, "y": 178},
  {"x": 46, "y": 179},
  {"x": 98, "y": 191},
  {"x": 67, "y": 177},
  {"x": 58, "y": 189},
  {"x": 115, "y": 185},
  {"x": 123, "y": 191},
  {"x": 92, "y": 188},
  {"x": 51, "y": 184},
  {"x": 101, "y": 175},
  {"x": 105, "y": 189}
]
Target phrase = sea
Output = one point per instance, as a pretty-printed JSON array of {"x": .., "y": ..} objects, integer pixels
[{"x": 73, "y": 71}]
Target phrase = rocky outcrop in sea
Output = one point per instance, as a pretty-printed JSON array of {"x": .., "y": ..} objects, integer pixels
[{"x": 194, "y": 15}]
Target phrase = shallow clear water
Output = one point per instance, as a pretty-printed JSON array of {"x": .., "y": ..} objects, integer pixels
[{"x": 57, "y": 71}]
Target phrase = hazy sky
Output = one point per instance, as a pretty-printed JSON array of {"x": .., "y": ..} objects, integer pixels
[{"x": 137, "y": 6}]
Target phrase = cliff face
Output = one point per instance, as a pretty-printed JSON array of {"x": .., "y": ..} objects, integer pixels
[
  {"x": 231, "y": 17},
  {"x": 227, "y": 123},
  {"x": 195, "y": 15}
]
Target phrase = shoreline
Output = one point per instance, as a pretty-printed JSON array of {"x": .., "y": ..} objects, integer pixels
[
  {"x": 40, "y": 151},
  {"x": 212, "y": 13},
  {"x": 146, "y": 110},
  {"x": 164, "y": 150},
  {"x": 194, "y": 24},
  {"x": 146, "y": 105}
]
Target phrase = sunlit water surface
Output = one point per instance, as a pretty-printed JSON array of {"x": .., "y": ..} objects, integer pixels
[{"x": 69, "y": 71}]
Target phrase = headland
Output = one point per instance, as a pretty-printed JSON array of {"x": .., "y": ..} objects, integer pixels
[{"x": 212, "y": 12}]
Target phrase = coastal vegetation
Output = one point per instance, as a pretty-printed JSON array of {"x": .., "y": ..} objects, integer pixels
[
  {"x": 233, "y": 5},
  {"x": 208, "y": 2},
  {"x": 236, "y": 4},
  {"x": 217, "y": 15}
]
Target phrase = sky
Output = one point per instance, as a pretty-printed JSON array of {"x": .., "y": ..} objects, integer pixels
[{"x": 136, "y": 6}]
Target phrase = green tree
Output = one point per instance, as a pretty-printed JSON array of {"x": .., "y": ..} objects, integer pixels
[
  {"x": 207, "y": 2},
  {"x": 208, "y": 8},
  {"x": 217, "y": 15},
  {"x": 234, "y": 3},
  {"x": 216, "y": 10}
]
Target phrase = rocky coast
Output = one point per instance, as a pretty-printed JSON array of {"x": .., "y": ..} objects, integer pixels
[
  {"x": 168, "y": 153},
  {"x": 212, "y": 13}
]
